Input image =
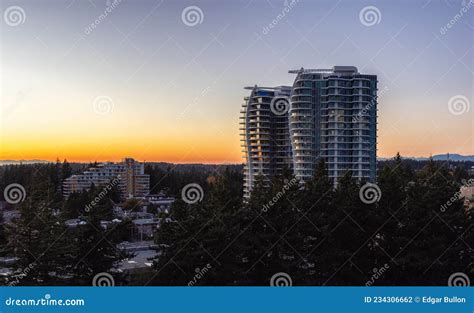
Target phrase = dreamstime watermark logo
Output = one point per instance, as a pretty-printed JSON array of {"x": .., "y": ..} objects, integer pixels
[
  {"x": 200, "y": 272},
  {"x": 103, "y": 280},
  {"x": 377, "y": 273},
  {"x": 14, "y": 193},
  {"x": 458, "y": 105},
  {"x": 281, "y": 280},
  {"x": 370, "y": 105},
  {"x": 192, "y": 16},
  {"x": 370, "y": 193},
  {"x": 466, "y": 5},
  {"x": 192, "y": 193},
  {"x": 280, "y": 105},
  {"x": 114, "y": 182},
  {"x": 103, "y": 105},
  {"x": 288, "y": 5},
  {"x": 279, "y": 194},
  {"x": 45, "y": 301},
  {"x": 370, "y": 15},
  {"x": 459, "y": 279},
  {"x": 14, "y": 16},
  {"x": 110, "y": 6},
  {"x": 22, "y": 274},
  {"x": 457, "y": 196}
]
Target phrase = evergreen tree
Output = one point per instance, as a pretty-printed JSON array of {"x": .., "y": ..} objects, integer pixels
[
  {"x": 3, "y": 236},
  {"x": 314, "y": 232},
  {"x": 428, "y": 242},
  {"x": 95, "y": 248},
  {"x": 66, "y": 170},
  {"x": 39, "y": 238},
  {"x": 317, "y": 205}
]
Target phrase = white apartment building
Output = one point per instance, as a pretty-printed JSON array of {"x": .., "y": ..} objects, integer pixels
[{"x": 130, "y": 174}]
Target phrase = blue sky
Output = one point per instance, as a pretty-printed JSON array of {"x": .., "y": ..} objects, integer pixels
[{"x": 177, "y": 89}]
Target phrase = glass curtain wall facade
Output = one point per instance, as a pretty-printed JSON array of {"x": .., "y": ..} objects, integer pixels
[
  {"x": 331, "y": 114},
  {"x": 265, "y": 134}
]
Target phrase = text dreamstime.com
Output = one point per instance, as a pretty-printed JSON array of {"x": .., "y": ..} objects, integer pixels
[
  {"x": 279, "y": 195},
  {"x": 114, "y": 182},
  {"x": 46, "y": 301},
  {"x": 457, "y": 196}
]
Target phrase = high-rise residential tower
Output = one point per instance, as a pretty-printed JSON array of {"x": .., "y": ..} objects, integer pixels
[
  {"x": 328, "y": 114},
  {"x": 264, "y": 134},
  {"x": 333, "y": 115}
]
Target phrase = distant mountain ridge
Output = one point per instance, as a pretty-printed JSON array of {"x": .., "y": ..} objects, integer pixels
[
  {"x": 453, "y": 157},
  {"x": 14, "y": 162},
  {"x": 437, "y": 157},
  {"x": 440, "y": 157}
]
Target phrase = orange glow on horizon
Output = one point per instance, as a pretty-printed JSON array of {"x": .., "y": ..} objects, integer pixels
[
  {"x": 215, "y": 152},
  {"x": 184, "y": 145}
]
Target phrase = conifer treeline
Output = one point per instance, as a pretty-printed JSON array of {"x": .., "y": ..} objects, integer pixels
[{"x": 317, "y": 234}]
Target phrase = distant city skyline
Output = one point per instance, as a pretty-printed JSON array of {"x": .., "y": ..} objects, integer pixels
[{"x": 163, "y": 80}]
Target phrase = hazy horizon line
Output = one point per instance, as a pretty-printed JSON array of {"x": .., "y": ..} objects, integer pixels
[{"x": 204, "y": 163}]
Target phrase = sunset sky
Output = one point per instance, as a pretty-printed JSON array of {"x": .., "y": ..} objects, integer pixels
[{"x": 173, "y": 92}]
